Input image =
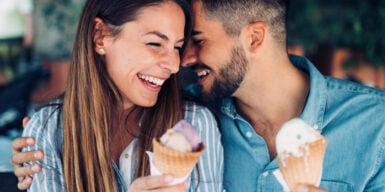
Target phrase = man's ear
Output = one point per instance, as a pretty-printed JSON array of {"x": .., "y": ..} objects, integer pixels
[
  {"x": 98, "y": 34},
  {"x": 256, "y": 35}
]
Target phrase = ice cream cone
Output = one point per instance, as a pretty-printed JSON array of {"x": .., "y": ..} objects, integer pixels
[
  {"x": 304, "y": 169},
  {"x": 175, "y": 163}
]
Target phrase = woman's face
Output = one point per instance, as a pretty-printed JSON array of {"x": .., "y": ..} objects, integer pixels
[{"x": 145, "y": 53}]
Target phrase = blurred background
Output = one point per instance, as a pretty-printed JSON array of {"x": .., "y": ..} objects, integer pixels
[
  {"x": 343, "y": 38},
  {"x": 36, "y": 38}
]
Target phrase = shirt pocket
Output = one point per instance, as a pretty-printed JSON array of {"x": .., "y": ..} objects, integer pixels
[{"x": 336, "y": 186}]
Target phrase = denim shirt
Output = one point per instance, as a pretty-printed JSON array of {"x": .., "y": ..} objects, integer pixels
[{"x": 349, "y": 115}]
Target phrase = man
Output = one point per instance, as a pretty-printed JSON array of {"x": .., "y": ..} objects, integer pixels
[
  {"x": 241, "y": 56},
  {"x": 239, "y": 53}
]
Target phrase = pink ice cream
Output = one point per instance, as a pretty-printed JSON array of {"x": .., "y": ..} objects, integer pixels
[
  {"x": 189, "y": 132},
  {"x": 183, "y": 137}
]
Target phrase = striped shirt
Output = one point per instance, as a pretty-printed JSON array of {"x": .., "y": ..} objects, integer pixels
[{"x": 46, "y": 128}]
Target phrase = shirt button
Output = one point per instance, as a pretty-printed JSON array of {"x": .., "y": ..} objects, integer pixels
[
  {"x": 265, "y": 174},
  {"x": 127, "y": 155},
  {"x": 249, "y": 134}
]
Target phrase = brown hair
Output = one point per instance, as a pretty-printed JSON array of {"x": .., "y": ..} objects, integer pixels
[
  {"x": 91, "y": 98},
  {"x": 234, "y": 15}
]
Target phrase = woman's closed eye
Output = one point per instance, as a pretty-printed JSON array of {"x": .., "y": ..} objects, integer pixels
[
  {"x": 179, "y": 49},
  {"x": 154, "y": 44}
]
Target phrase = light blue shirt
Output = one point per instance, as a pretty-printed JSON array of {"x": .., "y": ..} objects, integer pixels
[
  {"x": 46, "y": 128},
  {"x": 349, "y": 115}
]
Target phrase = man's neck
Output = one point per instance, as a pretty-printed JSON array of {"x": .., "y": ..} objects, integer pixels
[{"x": 267, "y": 104}]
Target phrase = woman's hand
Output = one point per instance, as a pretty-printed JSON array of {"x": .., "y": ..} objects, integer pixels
[
  {"x": 18, "y": 158},
  {"x": 157, "y": 184}
]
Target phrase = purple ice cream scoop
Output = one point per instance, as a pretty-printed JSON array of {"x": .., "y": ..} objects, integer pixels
[{"x": 189, "y": 132}]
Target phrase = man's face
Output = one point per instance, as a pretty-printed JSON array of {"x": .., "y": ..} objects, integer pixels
[{"x": 218, "y": 59}]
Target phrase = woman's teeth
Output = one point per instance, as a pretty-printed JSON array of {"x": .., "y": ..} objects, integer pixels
[{"x": 152, "y": 80}]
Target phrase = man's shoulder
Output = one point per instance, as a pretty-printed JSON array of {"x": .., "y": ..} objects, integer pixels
[
  {"x": 344, "y": 88},
  {"x": 355, "y": 105}
]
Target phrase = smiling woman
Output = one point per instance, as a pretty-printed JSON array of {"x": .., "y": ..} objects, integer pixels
[
  {"x": 157, "y": 42},
  {"x": 122, "y": 92}
]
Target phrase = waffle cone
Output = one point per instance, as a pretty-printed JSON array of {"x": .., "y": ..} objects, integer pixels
[
  {"x": 172, "y": 162},
  {"x": 305, "y": 169}
]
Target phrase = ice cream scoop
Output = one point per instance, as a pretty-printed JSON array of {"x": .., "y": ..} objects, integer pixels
[
  {"x": 173, "y": 152},
  {"x": 300, "y": 151},
  {"x": 176, "y": 141},
  {"x": 294, "y": 134},
  {"x": 189, "y": 132}
]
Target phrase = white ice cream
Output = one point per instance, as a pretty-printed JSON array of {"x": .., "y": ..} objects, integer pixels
[
  {"x": 293, "y": 135},
  {"x": 176, "y": 141}
]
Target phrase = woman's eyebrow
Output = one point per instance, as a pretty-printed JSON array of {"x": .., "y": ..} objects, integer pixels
[
  {"x": 159, "y": 34},
  {"x": 162, "y": 36}
]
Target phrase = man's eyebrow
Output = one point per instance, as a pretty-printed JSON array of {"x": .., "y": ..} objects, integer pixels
[
  {"x": 162, "y": 36},
  {"x": 195, "y": 32}
]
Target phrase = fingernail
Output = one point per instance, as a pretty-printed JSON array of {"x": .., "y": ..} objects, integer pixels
[
  {"x": 38, "y": 155},
  {"x": 302, "y": 188},
  {"x": 168, "y": 179},
  {"x": 35, "y": 168},
  {"x": 30, "y": 141}
]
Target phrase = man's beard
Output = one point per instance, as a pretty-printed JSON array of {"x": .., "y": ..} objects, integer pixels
[{"x": 230, "y": 77}]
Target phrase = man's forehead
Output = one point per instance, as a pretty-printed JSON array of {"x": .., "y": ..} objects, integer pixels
[
  {"x": 201, "y": 22},
  {"x": 197, "y": 13}
]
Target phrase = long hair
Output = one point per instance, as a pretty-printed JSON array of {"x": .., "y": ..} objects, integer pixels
[{"x": 91, "y": 99}]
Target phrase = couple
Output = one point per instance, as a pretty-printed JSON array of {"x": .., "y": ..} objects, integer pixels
[{"x": 238, "y": 50}]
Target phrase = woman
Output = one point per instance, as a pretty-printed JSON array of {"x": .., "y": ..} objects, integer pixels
[{"x": 122, "y": 92}]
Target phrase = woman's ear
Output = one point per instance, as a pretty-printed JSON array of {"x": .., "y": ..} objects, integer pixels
[
  {"x": 98, "y": 35},
  {"x": 256, "y": 33}
]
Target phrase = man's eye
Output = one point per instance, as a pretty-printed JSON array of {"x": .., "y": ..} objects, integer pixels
[
  {"x": 197, "y": 41},
  {"x": 154, "y": 44}
]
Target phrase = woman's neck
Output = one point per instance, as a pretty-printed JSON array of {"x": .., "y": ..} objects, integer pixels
[{"x": 124, "y": 130}]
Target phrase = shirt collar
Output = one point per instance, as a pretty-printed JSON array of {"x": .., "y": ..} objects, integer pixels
[{"x": 315, "y": 106}]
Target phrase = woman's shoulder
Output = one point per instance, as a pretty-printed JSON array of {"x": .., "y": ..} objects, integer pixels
[
  {"x": 194, "y": 110},
  {"x": 201, "y": 118},
  {"x": 48, "y": 111},
  {"x": 195, "y": 107},
  {"x": 45, "y": 119}
]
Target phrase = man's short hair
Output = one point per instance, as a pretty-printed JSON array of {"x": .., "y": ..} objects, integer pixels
[{"x": 235, "y": 14}]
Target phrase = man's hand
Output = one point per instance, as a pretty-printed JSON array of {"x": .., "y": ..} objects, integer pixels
[
  {"x": 309, "y": 188},
  {"x": 18, "y": 158},
  {"x": 157, "y": 184}
]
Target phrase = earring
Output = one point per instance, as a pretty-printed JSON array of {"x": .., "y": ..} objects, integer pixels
[{"x": 101, "y": 51}]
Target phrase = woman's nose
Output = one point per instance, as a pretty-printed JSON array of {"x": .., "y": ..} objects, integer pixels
[{"x": 171, "y": 62}]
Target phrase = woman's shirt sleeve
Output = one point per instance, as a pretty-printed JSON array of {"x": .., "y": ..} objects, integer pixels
[
  {"x": 208, "y": 174},
  {"x": 45, "y": 129}
]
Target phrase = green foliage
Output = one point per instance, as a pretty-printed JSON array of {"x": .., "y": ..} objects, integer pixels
[
  {"x": 341, "y": 23},
  {"x": 55, "y": 27}
]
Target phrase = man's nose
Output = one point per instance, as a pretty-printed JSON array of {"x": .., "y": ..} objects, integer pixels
[{"x": 189, "y": 55}]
